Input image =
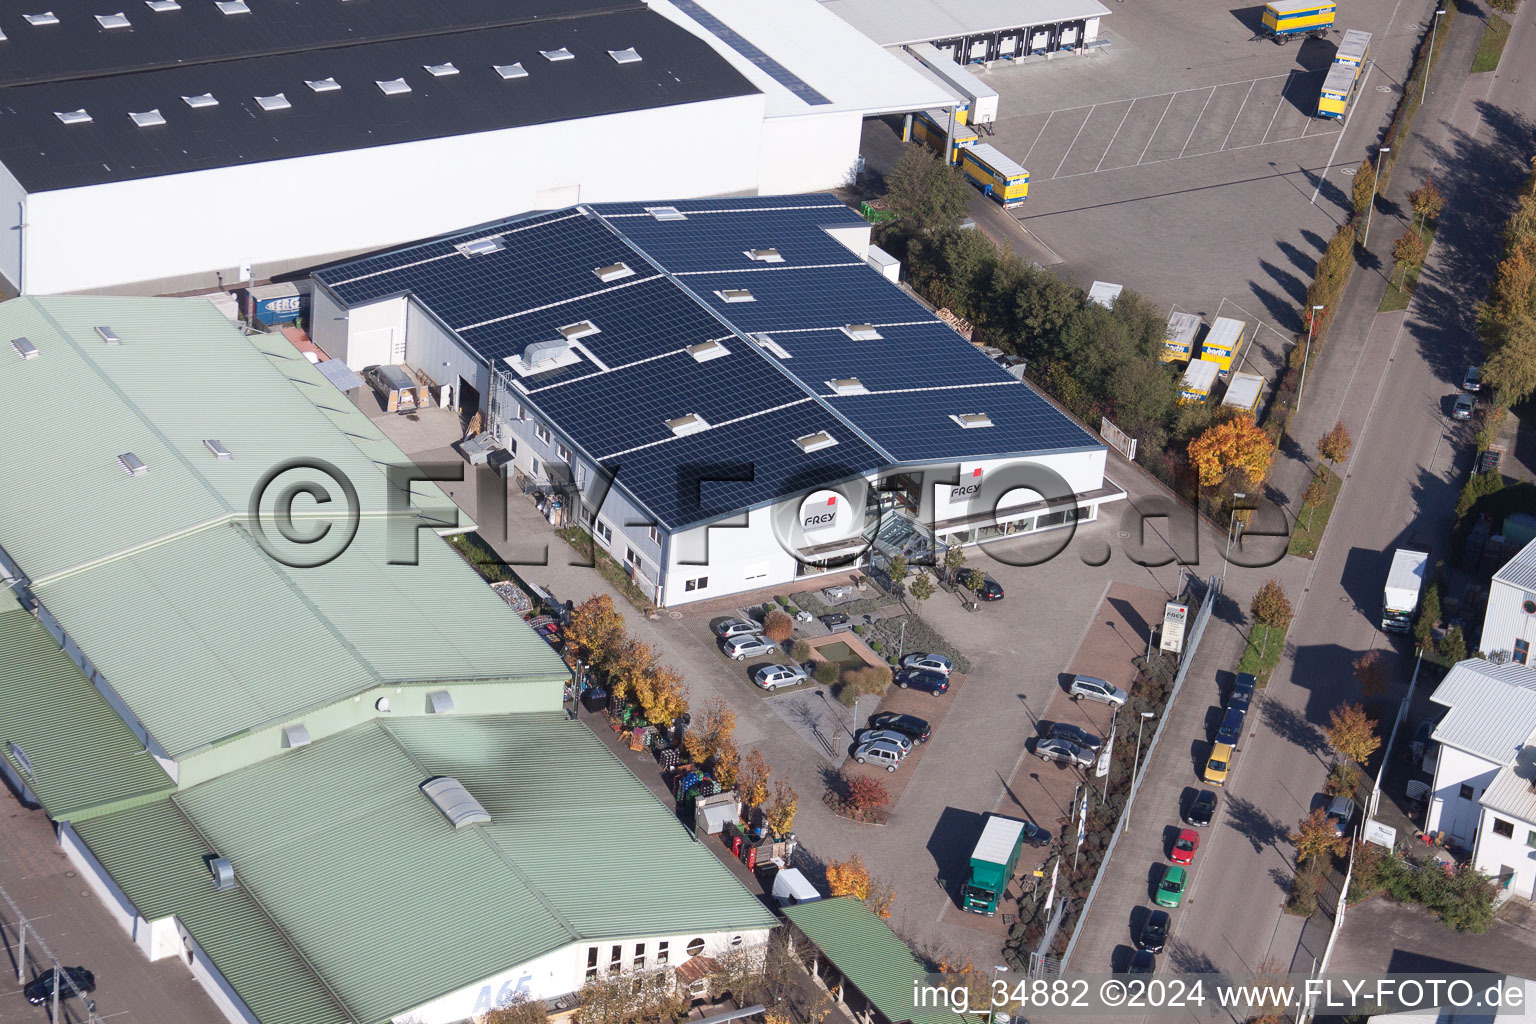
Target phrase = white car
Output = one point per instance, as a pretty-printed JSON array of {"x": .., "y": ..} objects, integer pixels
[
  {"x": 929, "y": 662},
  {"x": 771, "y": 677},
  {"x": 879, "y": 752},
  {"x": 736, "y": 627},
  {"x": 749, "y": 646},
  {"x": 901, "y": 739},
  {"x": 1094, "y": 688}
]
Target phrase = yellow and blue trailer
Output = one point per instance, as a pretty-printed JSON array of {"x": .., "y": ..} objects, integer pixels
[
  {"x": 1284, "y": 20},
  {"x": 1179, "y": 338},
  {"x": 1354, "y": 49},
  {"x": 1223, "y": 344},
  {"x": 1338, "y": 90},
  {"x": 931, "y": 128},
  {"x": 1198, "y": 382},
  {"x": 997, "y": 175}
]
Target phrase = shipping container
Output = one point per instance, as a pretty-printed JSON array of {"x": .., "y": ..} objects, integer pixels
[
  {"x": 1224, "y": 343},
  {"x": 1246, "y": 393},
  {"x": 1284, "y": 20},
  {"x": 1199, "y": 379},
  {"x": 995, "y": 174},
  {"x": 1180, "y": 337}
]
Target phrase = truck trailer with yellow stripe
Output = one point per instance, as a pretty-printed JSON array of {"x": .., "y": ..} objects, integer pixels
[
  {"x": 995, "y": 174},
  {"x": 1223, "y": 344},
  {"x": 1344, "y": 74},
  {"x": 1179, "y": 338},
  {"x": 1284, "y": 20},
  {"x": 931, "y": 127}
]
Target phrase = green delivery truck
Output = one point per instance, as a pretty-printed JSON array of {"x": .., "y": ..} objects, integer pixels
[{"x": 992, "y": 864}]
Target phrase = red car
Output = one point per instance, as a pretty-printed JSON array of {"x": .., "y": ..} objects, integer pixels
[{"x": 1184, "y": 847}]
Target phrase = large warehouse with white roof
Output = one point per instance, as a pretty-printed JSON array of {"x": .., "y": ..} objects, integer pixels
[
  {"x": 188, "y": 144},
  {"x": 723, "y": 392}
]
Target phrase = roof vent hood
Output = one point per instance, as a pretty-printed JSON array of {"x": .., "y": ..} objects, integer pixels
[
  {"x": 223, "y": 873},
  {"x": 454, "y": 801}
]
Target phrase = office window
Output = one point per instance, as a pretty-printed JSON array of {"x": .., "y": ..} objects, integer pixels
[
  {"x": 630, "y": 556},
  {"x": 586, "y": 517},
  {"x": 1522, "y": 651},
  {"x": 639, "y": 956},
  {"x": 542, "y": 432},
  {"x": 602, "y": 530},
  {"x": 695, "y": 947},
  {"x": 696, "y": 584},
  {"x": 1530, "y": 839},
  {"x": 654, "y": 534},
  {"x": 522, "y": 411},
  {"x": 534, "y": 459},
  {"x": 564, "y": 453},
  {"x": 1466, "y": 792},
  {"x": 1503, "y": 828},
  {"x": 661, "y": 947},
  {"x": 616, "y": 960},
  {"x": 591, "y": 962}
]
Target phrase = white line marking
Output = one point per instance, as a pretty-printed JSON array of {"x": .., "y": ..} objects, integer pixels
[
  {"x": 1155, "y": 127},
  {"x": 1032, "y": 145},
  {"x": 1074, "y": 139},
  {"x": 1195, "y": 127},
  {"x": 1278, "y": 105},
  {"x": 1342, "y": 125},
  {"x": 1113, "y": 137},
  {"x": 1239, "y": 114},
  {"x": 1192, "y": 156}
]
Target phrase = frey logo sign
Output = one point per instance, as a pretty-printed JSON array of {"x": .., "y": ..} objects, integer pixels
[
  {"x": 819, "y": 512},
  {"x": 969, "y": 487}
]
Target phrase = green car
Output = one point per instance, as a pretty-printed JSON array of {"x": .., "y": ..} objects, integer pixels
[{"x": 1170, "y": 891}]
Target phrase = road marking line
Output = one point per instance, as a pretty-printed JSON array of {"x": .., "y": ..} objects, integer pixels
[
  {"x": 1192, "y": 156},
  {"x": 1239, "y": 116},
  {"x": 1344, "y": 124},
  {"x": 1171, "y": 97},
  {"x": 1278, "y": 105},
  {"x": 1195, "y": 127},
  {"x": 1032, "y": 145},
  {"x": 1113, "y": 137},
  {"x": 1074, "y": 139}
]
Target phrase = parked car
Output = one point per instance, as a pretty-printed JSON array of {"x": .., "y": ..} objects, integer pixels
[
  {"x": 748, "y": 646},
  {"x": 1341, "y": 811},
  {"x": 771, "y": 677},
  {"x": 1218, "y": 764},
  {"x": 40, "y": 989},
  {"x": 1153, "y": 934},
  {"x": 909, "y": 725},
  {"x": 1461, "y": 409},
  {"x": 1231, "y": 727},
  {"x": 1036, "y": 836},
  {"x": 920, "y": 679},
  {"x": 834, "y": 620},
  {"x": 1142, "y": 962},
  {"x": 1094, "y": 688},
  {"x": 1243, "y": 686},
  {"x": 929, "y": 663},
  {"x": 1064, "y": 752},
  {"x": 979, "y": 583},
  {"x": 1170, "y": 891},
  {"x": 736, "y": 627},
  {"x": 1074, "y": 735},
  {"x": 881, "y": 752},
  {"x": 1184, "y": 846},
  {"x": 901, "y": 739},
  {"x": 1473, "y": 381},
  {"x": 1201, "y": 809}
]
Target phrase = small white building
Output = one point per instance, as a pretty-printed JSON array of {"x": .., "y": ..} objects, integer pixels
[{"x": 1509, "y": 623}]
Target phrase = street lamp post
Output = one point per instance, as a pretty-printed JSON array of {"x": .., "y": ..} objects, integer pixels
[
  {"x": 1137, "y": 763},
  {"x": 1433, "y": 26},
  {"x": 1231, "y": 523},
  {"x": 1311, "y": 325},
  {"x": 1371, "y": 209}
]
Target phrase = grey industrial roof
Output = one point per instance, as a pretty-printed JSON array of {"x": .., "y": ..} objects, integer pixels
[
  {"x": 1520, "y": 571},
  {"x": 786, "y": 327},
  {"x": 1492, "y": 708},
  {"x": 894, "y": 22},
  {"x": 1513, "y": 789}
]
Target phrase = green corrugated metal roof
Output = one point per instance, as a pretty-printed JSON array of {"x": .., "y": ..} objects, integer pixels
[
  {"x": 869, "y": 955},
  {"x": 80, "y": 756},
  {"x": 392, "y": 906}
]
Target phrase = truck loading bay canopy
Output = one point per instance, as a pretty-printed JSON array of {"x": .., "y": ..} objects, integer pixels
[{"x": 899, "y": 22}]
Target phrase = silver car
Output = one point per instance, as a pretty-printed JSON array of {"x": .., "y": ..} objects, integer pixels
[
  {"x": 1064, "y": 752},
  {"x": 736, "y": 627},
  {"x": 929, "y": 662},
  {"x": 1094, "y": 688},
  {"x": 1473, "y": 381},
  {"x": 1462, "y": 408},
  {"x": 901, "y": 739},
  {"x": 882, "y": 752},
  {"x": 750, "y": 646},
  {"x": 771, "y": 677}
]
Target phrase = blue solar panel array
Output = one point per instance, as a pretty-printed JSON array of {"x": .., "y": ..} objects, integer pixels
[
  {"x": 776, "y": 71},
  {"x": 790, "y": 299},
  {"x": 923, "y": 355},
  {"x": 719, "y": 241}
]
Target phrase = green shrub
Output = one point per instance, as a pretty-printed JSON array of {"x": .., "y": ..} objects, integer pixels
[
  {"x": 857, "y": 682},
  {"x": 781, "y": 599},
  {"x": 877, "y": 646},
  {"x": 801, "y": 651},
  {"x": 858, "y": 630},
  {"x": 826, "y": 673}
]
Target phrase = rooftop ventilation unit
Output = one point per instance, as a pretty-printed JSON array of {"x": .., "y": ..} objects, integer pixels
[
  {"x": 847, "y": 386},
  {"x": 570, "y": 332},
  {"x": 393, "y": 86},
  {"x": 558, "y": 55},
  {"x": 628, "y": 55},
  {"x": 277, "y": 101},
  {"x": 440, "y": 70},
  {"x": 147, "y": 118},
  {"x": 439, "y": 702},
  {"x": 543, "y": 356},
  {"x": 73, "y": 116},
  {"x": 689, "y": 424},
  {"x": 861, "y": 332},
  {"x": 161, "y": 6},
  {"x": 665, "y": 212},
  {"x": 295, "y": 736},
  {"x": 322, "y": 84},
  {"x": 108, "y": 335},
  {"x": 704, "y": 351},
  {"x": 735, "y": 295},
  {"x": 223, "y": 873},
  {"x": 132, "y": 464},
  {"x": 118, "y": 20},
  {"x": 217, "y": 450},
  {"x": 228, "y": 7},
  {"x": 614, "y": 272},
  {"x": 481, "y": 246},
  {"x": 24, "y": 348},
  {"x": 202, "y": 99},
  {"x": 815, "y": 442},
  {"x": 454, "y": 801},
  {"x": 43, "y": 18},
  {"x": 972, "y": 420},
  {"x": 515, "y": 70},
  {"x": 766, "y": 340},
  {"x": 22, "y": 759},
  {"x": 764, "y": 255}
]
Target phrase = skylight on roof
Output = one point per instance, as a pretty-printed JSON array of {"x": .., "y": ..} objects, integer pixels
[
  {"x": 558, "y": 55},
  {"x": 629, "y": 55},
  {"x": 132, "y": 464},
  {"x": 440, "y": 70},
  {"x": 704, "y": 351},
  {"x": 147, "y": 118},
  {"x": 161, "y": 6},
  {"x": 322, "y": 84},
  {"x": 450, "y": 797},
  {"x": 232, "y": 6},
  {"x": 689, "y": 424},
  {"x": 393, "y": 86},
  {"x": 277, "y": 101},
  {"x": 847, "y": 386},
  {"x": 972, "y": 420},
  {"x": 42, "y": 18},
  {"x": 861, "y": 332},
  {"x": 24, "y": 348},
  {"x": 613, "y": 272},
  {"x": 578, "y": 330},
  {"x": 108, "y": 335},
  {"x": 815, "y": 442},
  {"x": 73, "y": 116},
  {"x": 118, "y": 20},
  {"x": 735, "y": 295},
  {"x": 481, "y": 246},
  {"x": 763, "y": 255},
  {"x": 665, "y": 212},
  {"x": 217, "y": 449},
  {"x": 202, "y": 99},
  {"x": 515, "y": 70}
]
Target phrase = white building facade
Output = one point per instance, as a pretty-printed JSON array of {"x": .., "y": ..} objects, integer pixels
[{"x": 1509, "y": 622}]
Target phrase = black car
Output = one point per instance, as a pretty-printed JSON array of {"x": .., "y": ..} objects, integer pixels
[
  {"x": 1243, "y": 688},
  {"x": 40, "y": 989},
  {"x": 1036, "y": 836},
  {"x": 1201, "y": 809},
  {"x": 919, "y": 679},
  {"x": 907, "y": 725},
  {"x": 1154, "y": 932},
  {"x": 983, "y": 586},
  {"x": 1231, "y": 726},
  {"x": 834, "y": 620},
  {"x": 1072, "y": 734},
  {"x": 1142, "y": 962}
]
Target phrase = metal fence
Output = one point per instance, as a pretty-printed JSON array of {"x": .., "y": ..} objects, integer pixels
[{"x": 24, "y": 944}]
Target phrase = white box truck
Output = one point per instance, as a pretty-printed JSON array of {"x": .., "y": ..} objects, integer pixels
[{"x": 1405, "y": 579}]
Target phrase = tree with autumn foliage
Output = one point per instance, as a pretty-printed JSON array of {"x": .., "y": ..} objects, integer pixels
[
  {"x": 1313, "y": 497},
  {"x": 629, "y": 662},
  {"x": 1352, "y": 733},
  {"x": 851, "y": 878},
  {"x": 778, "y": 626},
  {"x": 781, "y": 810},
  {"x": 1235, "y": 445},
  {"x": 1426, "y": 200},
  {"x": 1315, "y": 837},
  {"x": 1335, "y": 445},
  {"x": 867, "y": 795},
  {"x": 1371, "y": 673},
  {"x": 1409, "y": 251},
  {"x": 1272, "y": 609},
  {"x": 712, "y": 740},
  {"x": 596, "y": 632},
  {"x": 661, "y": 695},
  {"x": 752, "y": 780}
]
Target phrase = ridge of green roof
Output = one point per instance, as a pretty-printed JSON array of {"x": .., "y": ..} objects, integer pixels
[{"x": 869, "y": 954}]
